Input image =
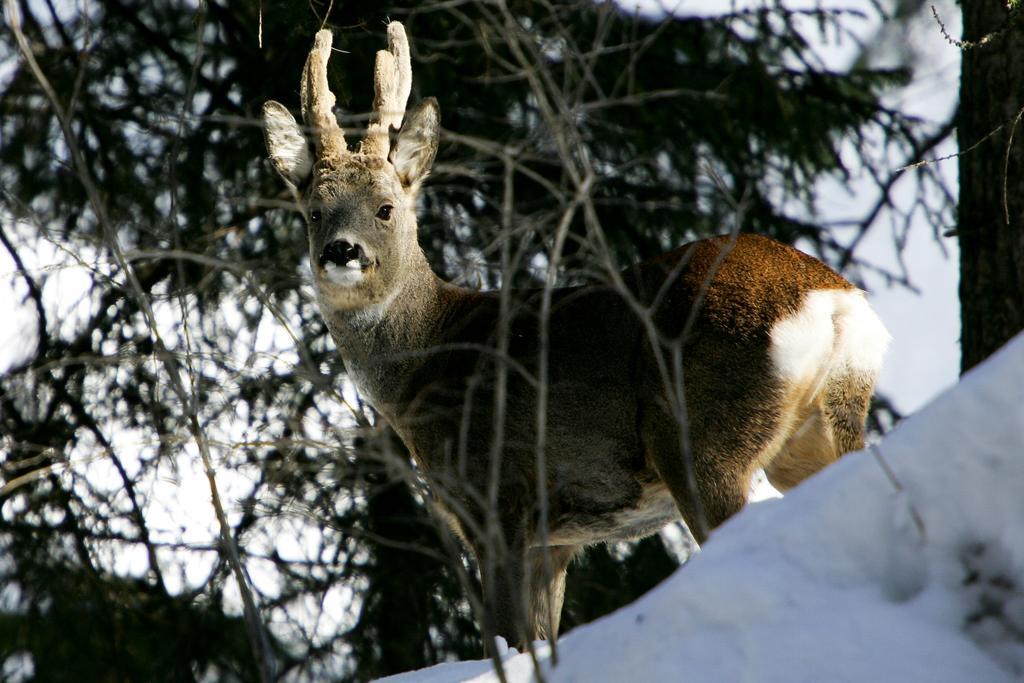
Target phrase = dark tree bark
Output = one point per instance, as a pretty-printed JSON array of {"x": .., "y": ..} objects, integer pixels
[{"x": 991, "y": 220}]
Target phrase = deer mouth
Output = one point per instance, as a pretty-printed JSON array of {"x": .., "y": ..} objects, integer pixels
[{"x": 345, "y": 262}]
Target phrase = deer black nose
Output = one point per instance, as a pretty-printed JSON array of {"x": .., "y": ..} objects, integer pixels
[{"x": 345, "y": 254}]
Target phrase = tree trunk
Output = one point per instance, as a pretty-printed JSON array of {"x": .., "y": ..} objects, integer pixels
[{"x": 991, "y": 214}]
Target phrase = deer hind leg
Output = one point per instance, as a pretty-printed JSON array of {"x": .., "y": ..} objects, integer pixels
[
  {"x": 725, "y": 462},
  {"x": 845, "y": 407},
  {"x": 731, "y": 427},
  {"x": 833, "y": 426},
  {"x": 811, "y": 447}
]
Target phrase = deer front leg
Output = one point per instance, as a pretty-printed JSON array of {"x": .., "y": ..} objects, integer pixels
[
  {"x": 523, "y": 595},
  {"x": 547, "y": 568},
  {"x": 502, "y": 575}
]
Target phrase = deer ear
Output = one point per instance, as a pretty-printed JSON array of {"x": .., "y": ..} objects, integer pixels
[
  {"x": 286, "y": 144},
  {"x": 413, "y": 151}
]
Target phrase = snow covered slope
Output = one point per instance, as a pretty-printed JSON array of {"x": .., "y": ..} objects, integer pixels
[{"x": 901, "y": 563}]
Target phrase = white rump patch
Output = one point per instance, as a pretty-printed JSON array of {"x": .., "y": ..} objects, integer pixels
[
  {"x": 863, "y": 338},
  {"x": 834, "y": 328},
  {"x": 802, "y": 344}
]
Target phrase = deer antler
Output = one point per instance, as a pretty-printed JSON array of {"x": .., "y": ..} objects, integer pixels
[
  {"x": 318, "y": 100},
  {"x": 392, "y": 82}
]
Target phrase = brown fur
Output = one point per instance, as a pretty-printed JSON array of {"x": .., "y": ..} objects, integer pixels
[{"x": 618, "y": 439}]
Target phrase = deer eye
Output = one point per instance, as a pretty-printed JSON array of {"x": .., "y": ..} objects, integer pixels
[
  {"x": 384, "y": 212},
  {"x": 314, "y": 216}
]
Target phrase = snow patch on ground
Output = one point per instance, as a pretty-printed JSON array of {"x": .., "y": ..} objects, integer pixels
[{"x": 899, "y": 563}]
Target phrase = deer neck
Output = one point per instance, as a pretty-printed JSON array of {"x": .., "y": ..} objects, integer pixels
[{"x": 384, "y": 344}]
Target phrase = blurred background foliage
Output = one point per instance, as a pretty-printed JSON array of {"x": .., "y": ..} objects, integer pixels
[{"x": 169, "y": 313}]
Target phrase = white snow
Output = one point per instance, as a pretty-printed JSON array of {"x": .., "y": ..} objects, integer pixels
[{"x": 902, "y": 563}]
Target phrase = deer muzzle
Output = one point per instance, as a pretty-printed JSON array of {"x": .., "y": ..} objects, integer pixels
[
  {"x": 344, "y": 262},
  {"x": 346, "y": 255}
]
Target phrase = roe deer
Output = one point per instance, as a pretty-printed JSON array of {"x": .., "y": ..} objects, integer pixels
[{"x": 664, "y": 393}]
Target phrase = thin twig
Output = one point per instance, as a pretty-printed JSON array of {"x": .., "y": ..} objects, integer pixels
[
  {"x": 1006, "y": 168},
  {"x": 894, "y": 480}
]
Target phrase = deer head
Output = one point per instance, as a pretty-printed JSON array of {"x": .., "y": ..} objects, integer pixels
[{"x": 359, "y": 205}]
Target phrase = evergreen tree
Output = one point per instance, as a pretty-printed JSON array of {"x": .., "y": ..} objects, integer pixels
[{"x": 175, "y": 334}]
